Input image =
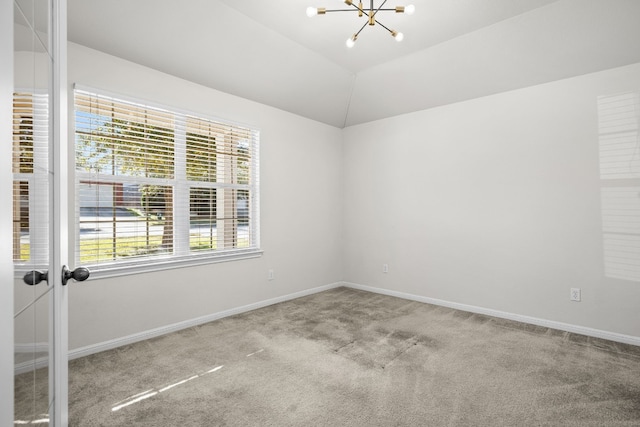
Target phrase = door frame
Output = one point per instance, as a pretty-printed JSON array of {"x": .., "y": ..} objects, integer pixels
[
  {"x": 59, "y": 254},
  {"x": 6, "y": 214}
]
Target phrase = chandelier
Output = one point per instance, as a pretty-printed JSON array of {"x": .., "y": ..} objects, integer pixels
[{"x": 371, "y": 15}]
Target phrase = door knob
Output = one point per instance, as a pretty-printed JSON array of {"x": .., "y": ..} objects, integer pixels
[
  {"x": 34, "y": 277},
  {"x": 80, "y": 274}
]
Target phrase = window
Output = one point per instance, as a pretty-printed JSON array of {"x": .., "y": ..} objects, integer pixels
[
  {"x": 156, "y": 186},
  {"x": 30, "y": 179}
]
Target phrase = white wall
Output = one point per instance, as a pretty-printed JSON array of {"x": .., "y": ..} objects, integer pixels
[
  {"x": 300, "y": 179},
  {"x": 493, "y": 203}
]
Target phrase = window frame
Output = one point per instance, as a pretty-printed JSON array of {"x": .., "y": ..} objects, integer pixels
[{"x": 181, "y": 185}]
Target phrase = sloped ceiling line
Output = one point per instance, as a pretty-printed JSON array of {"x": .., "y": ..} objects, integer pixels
[{"x": 354, "y": 76}]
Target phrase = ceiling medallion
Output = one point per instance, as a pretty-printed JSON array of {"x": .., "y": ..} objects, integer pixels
[{"x": 370, "y": 13}]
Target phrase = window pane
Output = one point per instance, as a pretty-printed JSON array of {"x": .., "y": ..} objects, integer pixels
[
  {"x": 22, "y": 133},
  {"x": 121, "y": 221},
  {"x": 21, "y": 246},
  {"x": 202, "y": 219},
  {"x": 201, "y": 151},
  {"x": 244, "y": 163},
  {"x": 112, "y": 141},
  {"x": 219, "y": 223},
  {"x": 220, "y": 219},
  {"x": 242, "y": 214},
  {"x": 217, "y": 152}
]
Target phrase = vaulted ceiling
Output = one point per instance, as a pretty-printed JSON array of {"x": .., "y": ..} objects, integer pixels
[{"x": 272, "y": 53}]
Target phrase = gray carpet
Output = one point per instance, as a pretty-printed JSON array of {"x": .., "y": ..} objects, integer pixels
[{"x": 352, "y": 358}]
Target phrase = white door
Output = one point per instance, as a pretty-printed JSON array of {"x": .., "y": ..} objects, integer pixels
[{"x": 40, "y": 212}]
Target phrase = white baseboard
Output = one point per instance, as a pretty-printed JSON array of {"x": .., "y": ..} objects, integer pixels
[
  {"x": 596, "y": 333},
  {"x": 36, "y": 347},
  {"x": 152, "y": 333},
  {"x": 30, "y": 365}
]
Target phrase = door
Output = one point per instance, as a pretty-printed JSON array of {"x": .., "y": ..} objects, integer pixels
[{"x": 39, "y": 212}]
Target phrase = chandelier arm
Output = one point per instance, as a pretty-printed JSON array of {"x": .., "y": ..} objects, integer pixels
[
  {"x": 379, "y": 8},
  {"x": 359, "y": 9},
  {"x": 361, "y": 28},
  {"x": 344, "y": 10},
  {"x": 383, "y": 26}
]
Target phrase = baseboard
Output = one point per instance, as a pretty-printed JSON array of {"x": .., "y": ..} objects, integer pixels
[
  {"x": 30, "y": 365},
  {"x": 37, "y": 347},
  {"x": 152, "y": 333},
  {"x": 596, "y": 333}
]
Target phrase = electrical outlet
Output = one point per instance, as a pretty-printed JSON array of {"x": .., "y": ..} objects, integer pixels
[
  {"x": 385, "y": 268},
  {"x": 271, "y": 275},
  {"x": 575, "y": 294}
]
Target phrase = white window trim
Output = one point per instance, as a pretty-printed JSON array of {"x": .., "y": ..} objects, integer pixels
[
  {"x": 182, "y": 257},
  {"x": 171, "y": 262}
]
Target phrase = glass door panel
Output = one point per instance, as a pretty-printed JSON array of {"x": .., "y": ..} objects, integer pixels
[
  {"x": 31, "y": 143},
  {"x": 32, "y": 403}
]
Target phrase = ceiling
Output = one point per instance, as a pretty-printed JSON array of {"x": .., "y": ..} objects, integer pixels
[{"x": 272, "y": 53}]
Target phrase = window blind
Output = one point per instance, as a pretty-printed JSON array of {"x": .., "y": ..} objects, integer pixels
[
  {"x": 30, "y": 179},
  {"x": 155, "y": 184}
]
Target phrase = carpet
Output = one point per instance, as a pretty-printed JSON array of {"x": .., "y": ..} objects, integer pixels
[{"x": 352, "y": 358}]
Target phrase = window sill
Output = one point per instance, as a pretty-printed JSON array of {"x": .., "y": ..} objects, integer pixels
[
  {"x": 126, "y": 269},
  {"x": 144, "y": 266}
]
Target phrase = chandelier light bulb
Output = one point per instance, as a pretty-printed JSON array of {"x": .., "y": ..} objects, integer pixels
[
  {"x": 312, "y": 11},
  {"x": 397, "y": 35},
  {"x": 351, "y": 41},
  {"x": 408, "y": 10}
]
